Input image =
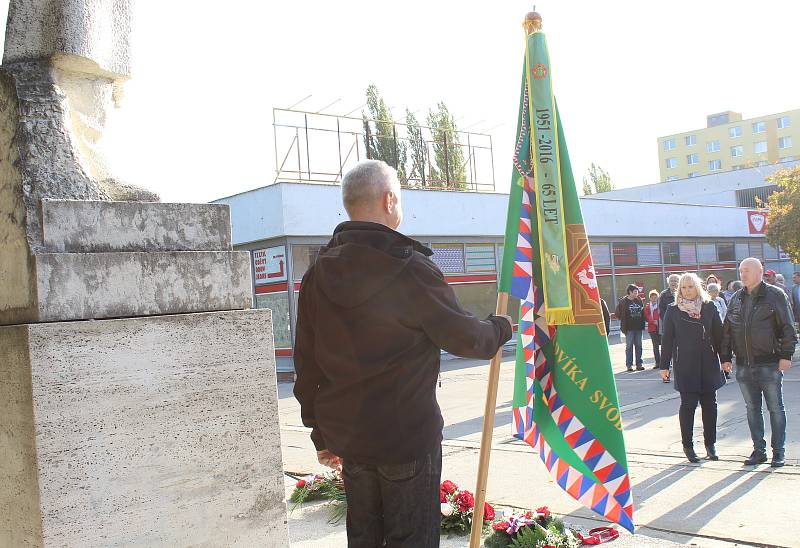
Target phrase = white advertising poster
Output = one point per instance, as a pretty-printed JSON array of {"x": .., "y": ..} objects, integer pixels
[{"x": 269, "y": 265}]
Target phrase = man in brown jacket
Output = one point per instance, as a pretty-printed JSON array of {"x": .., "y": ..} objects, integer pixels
[{"x": 373, "y": 313}]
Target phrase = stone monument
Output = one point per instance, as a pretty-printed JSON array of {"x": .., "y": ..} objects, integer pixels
[{"x": 138, "y": 401}]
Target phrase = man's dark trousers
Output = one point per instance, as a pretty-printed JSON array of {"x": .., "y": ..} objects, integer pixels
[{"x": 394, "y": 505}]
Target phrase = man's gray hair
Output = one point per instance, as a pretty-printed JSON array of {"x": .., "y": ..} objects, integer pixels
[
  {"x": 367, "y": 183},
  {"x": 713, "y": 287},
  {"x": 737, "y": 285}
]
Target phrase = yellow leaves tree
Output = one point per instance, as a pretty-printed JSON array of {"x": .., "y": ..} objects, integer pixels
[{"x": 783, "y": 228}]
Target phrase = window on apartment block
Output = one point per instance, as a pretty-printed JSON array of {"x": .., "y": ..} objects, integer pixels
[
  {"x": 784, "y": 142},
  {"x": 712, "y": 146},
  {"x": 669, "y": 144},
  {"x": 784, "y": 122},
  {"x": 759, "y": 127},
  {"x": 693, "y": 159},
  {"x": 735, "y": 131},
  {"x": 737, "y": 151},
  {"x": 760, "y": 147},
  {"x": 690, "y": 140},
  {"x": 714, "y": 165},
  {"x": 671, "y": 163}
]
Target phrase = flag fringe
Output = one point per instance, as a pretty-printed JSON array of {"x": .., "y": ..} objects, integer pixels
[{"x": 560, "y": 316}]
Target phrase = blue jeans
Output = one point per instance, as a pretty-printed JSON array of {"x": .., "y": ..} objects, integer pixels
[
  {"x": 633, "y": 338},
  {"x": 767, "y": 380},
  {"x": 393, "y": 505}
]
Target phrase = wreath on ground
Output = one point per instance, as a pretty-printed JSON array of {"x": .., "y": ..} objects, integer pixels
[{"x": 529, "y": 529}]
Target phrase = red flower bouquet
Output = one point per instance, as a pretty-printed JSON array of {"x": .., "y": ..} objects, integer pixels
[{"x": 458, "y": 507}]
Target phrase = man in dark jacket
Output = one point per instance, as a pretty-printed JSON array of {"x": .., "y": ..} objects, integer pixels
[
  {"x": 373, "y": 313},
  {"x": 667, "y": 297},
  {"x": 758, "y": 329},
  {"x": 630, "y": 312}
]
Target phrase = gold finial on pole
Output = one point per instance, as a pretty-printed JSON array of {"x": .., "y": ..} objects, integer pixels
[{"x": 533, "y": 22}]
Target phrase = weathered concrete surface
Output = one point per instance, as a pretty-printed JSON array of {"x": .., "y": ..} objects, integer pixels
[
  {"x": 95, "y": 30},
  {"x": 76, "y": 286},
  {"x": 82, "y": 226},
  {"x": 154, "y": 431}
]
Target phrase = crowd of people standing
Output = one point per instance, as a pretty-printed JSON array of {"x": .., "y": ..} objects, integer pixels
[{"x": 697, "y": 329}]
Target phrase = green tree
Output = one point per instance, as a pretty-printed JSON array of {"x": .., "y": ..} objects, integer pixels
[
  {"x": 784, "y": 212},
  {"x": 448, "y": 166},
  {"x": 380, "y": 134},
  {"x": 598, "y": 179},
  {"x": 418, "y": 148}
]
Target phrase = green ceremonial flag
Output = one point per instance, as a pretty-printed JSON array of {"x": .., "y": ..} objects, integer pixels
[{"x": 565, "y": 399}]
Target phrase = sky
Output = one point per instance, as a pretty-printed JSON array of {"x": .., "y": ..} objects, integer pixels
[{"x": 196, "y": 120}]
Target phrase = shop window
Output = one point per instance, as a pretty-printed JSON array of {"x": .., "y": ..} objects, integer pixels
[
  {"x": 480, "y": 299},
  {"x": 756, "y": 250},
  {"x": 726, "y": 252},
  {"x": 605, "y": 286},
  {"x": 601, "y": 256},
  {"x": 742, "y": 251},
  {"x": 303, "y": 256},
  {"x": 279, "y": 304},
  {"x": 645, "y": 282},
  {"x": 770, "y": 252},
  {"x": 671, "y": 253},
  {"x": 480, "y": 258},
  {"x": 649, "y": 254},
  {"x": 449, "y": 257},
  {"x": 688, "y": 253},
  {"x": 624, "y": 253},
  {"x": 706, "y": 253}
]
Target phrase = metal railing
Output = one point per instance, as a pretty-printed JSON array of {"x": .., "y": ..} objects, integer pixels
[{"x": 320, "y": 148}]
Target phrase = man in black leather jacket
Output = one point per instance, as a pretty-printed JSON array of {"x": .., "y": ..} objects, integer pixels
[{"x": 759, "y": 330}]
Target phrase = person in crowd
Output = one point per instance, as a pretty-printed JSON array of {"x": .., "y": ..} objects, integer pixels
[
  {"x": 769, "y": 276},
  {"x": 606, "y": 315},
  {"x": 711, "y": 279},
  {"x": 729, "y": 291},
  {"x": 759, "y": 331},
  {"x": 667, "y": 296},
  {"x": 780, "y": 281},
  {"x": 373, "y": 313},
  {"x": 796, "y": 296},
  {"x": 653, "y": 325},
  {"x": 719, "y": 302},
  {"x": 630, "y": 311},
  {"x": 722, "y": 308},
  {"x": 692, "y": 338}
]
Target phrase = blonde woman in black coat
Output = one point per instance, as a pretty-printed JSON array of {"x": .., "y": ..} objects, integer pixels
[{"x": 692, "y": 339}]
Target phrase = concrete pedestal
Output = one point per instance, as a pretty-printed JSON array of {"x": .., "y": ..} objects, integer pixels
[{"x": 154, "y": 431}]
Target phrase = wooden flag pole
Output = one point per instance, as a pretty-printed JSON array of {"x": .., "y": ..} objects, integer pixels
[{"x": 486, "y": 436}]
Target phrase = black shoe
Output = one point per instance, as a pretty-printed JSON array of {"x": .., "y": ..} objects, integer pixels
[
  {"x": 778, "y": 459},
  {"x": 758, "y": 456},
  {"x": 727, "y": 375},
  {"x": 656, "y": 366},
  {"x": 691, "y": 455},
  {"x": 639, "y": 368},
  {"x": 630, "y": 368},
  {"x": 711, "y": 452}
]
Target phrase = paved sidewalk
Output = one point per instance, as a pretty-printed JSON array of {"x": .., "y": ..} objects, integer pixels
[{"x": 709, "y": 504}]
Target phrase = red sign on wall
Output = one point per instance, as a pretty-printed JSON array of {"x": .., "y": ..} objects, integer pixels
[{"x": 757, "y": 222}]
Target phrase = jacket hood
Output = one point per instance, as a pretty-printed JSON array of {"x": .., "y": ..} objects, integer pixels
[{"x": 361, "y": 260}]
